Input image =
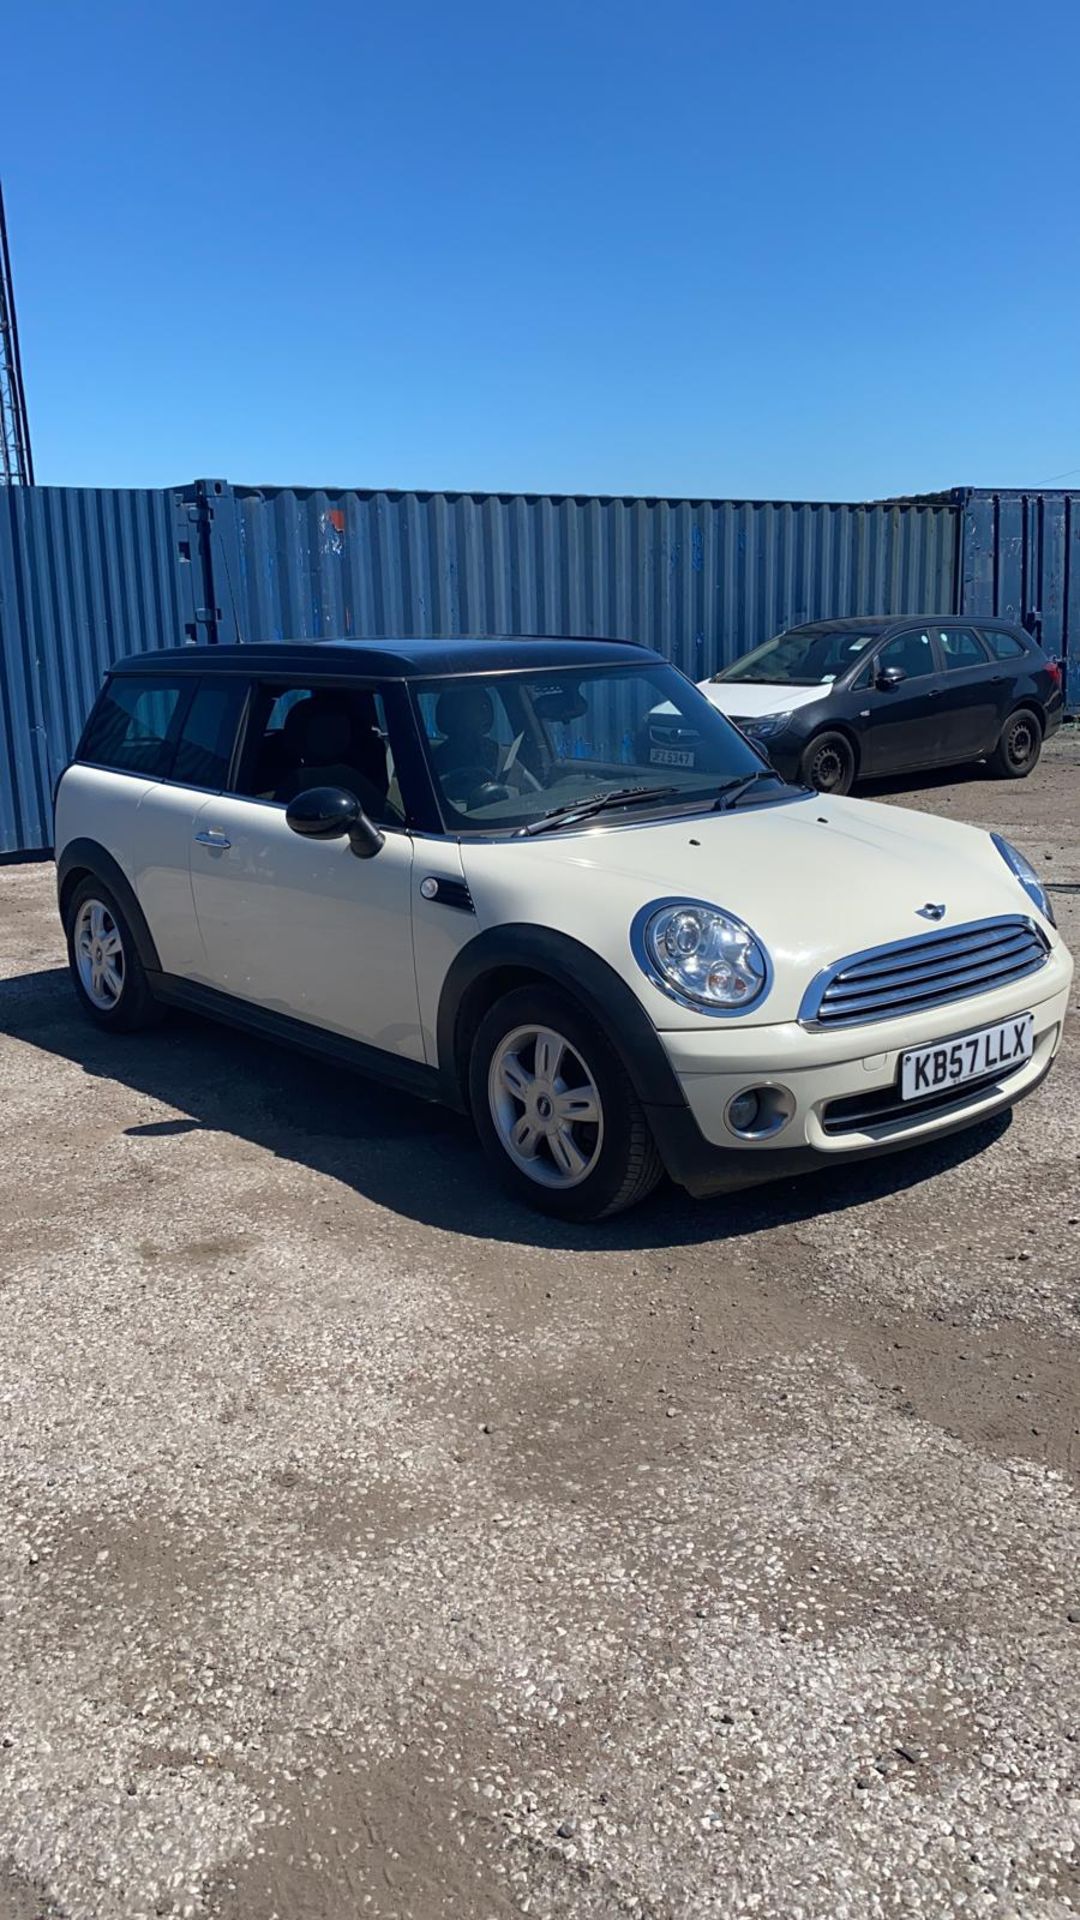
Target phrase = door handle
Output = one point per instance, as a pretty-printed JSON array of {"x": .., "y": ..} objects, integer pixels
[{"x": 213, "y": 838}]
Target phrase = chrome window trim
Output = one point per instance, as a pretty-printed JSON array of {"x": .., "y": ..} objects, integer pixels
[{"x": 932, "y": 944}]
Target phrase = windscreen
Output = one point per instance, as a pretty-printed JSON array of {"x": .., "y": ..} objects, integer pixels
[
  {"x": 804, "y": 657},
  {"x": 506, "y": 750}
]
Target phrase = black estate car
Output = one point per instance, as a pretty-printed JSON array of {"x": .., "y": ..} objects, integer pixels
[{"x": 836, "y": 700}]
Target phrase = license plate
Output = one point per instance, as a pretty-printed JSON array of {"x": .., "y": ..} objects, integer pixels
[
  {"x": 671, "y": 757},
  {"x": 949, "y": 1063}
]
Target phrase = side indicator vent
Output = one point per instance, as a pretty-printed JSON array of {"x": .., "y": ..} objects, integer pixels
[{"x": 447, "y": 893}]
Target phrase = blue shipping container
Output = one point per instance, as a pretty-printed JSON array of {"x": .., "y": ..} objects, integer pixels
[{"x": 88, "y": 574}]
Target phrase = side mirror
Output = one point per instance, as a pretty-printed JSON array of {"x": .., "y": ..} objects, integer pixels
[
  {"x": 889, "y": 677},
  {"x": 329, "y": 813}
]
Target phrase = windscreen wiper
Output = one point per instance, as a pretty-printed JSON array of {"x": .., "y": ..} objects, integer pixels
[
  {"x": 581, "y": 809},
  {"x": 732, "y": 791}
]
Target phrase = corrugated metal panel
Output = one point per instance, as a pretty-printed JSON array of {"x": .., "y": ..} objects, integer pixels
[
  {"x": 85, "y": 575},
  {"x": 1021, "y": 558},
  {"x": 702, "y": 580}
]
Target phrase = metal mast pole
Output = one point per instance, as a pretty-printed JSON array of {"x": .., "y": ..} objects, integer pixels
[{"x": 16, "y": 460}]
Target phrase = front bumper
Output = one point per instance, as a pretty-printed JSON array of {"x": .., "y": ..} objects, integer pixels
[{"x": 822, "y": 1068}]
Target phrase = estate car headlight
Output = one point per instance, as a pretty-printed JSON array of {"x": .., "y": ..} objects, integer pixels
[
  {"x": 1026, "y": 875},
  {"x": 704, "y": 958},
  {"x": 767, "y": 725}
]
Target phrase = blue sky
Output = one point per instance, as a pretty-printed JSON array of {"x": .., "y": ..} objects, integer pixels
[{"x": 778, "y": 250}]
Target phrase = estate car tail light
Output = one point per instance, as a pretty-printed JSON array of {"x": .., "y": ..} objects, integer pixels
[{"x": 1054, "y": 670}]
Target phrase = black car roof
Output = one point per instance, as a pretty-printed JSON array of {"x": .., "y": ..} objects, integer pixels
[
  {"x": 395, "y": 659},
  {"x": 877, "y": 622}
]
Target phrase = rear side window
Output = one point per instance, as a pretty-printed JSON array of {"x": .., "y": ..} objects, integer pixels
[
  {"x": 204, "y": 750},
  {"x": 960, "y": 648},
  {"x": 1003, "y": 646},
  {"x": 134, "y": 725}
]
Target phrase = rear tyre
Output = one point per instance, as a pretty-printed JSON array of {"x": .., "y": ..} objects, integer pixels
[
  {"x": 109, "y": 977},
  {"x": 1019, "y": 747},
  {"x": 556, "y": 1110},
  {"x": 828, "y": 763}
]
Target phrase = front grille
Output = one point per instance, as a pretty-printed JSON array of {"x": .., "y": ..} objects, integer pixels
[
  {"x": 861, "y": 1110},
  {"x": 929, "y": 971}
]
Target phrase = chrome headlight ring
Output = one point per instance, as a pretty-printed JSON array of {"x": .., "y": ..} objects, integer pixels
[{"x": 690, "y": 948}]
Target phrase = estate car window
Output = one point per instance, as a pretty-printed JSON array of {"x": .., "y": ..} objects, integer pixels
[
  {"x": 133, "y": 726},
  {"x": 507, "y": 749},
  {"x": 807, "y": 656},
  {"x": 910, "y": 651},
  {"x": 208, "y": 734},
  {"x": 961, "y": 648},
  {"x": 301, "y": 737},
  {"x": 1003, "y": 646}
]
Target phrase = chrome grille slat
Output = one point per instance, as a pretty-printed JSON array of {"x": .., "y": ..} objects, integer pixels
[
  {"x": 1000, "y": 957},
  {"x": 929, "y": 971},
  {"x": 974, "y": 980},
  {"x": 909, "y": 955}
]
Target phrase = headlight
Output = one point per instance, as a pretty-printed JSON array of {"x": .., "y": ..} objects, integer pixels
[
  {"x": 1026, "y": 875},
  {"x": 768, "y": 726},
  {"x": 702, "y": 957}
]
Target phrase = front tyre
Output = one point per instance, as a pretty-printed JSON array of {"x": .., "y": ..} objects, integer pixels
[
  {"x": 109, "y": 977},
  {"x": 828, "y": 763},
  {"x": 556, "y": 1111}
]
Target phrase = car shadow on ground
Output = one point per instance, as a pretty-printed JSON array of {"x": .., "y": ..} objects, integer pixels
[
  {"x": 417, "y": 1159},
  {"x": 973, "y": 773}
]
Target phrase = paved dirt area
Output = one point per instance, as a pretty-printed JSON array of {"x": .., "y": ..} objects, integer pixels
[{"x": 368, "y": 1547}]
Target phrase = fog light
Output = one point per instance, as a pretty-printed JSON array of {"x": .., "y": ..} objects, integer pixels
[
  {"x": 743, "y": 1111},
  {"x": 758, "y": 1112}
]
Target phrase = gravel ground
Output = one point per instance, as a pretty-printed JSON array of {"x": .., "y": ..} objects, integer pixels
[{"x": 368, "y": 1547}]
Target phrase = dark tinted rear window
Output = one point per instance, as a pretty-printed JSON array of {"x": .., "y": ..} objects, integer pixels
[
  {"x": 1003, "y": 646},
  {"x": 134, "y": 725},
  {"x": 209, "y": 730}
]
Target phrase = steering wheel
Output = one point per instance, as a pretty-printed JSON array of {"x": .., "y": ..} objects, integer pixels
[{"x": 477, "y": 786}]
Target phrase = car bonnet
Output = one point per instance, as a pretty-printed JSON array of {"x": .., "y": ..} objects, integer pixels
[{"x": 814, "y": 879}]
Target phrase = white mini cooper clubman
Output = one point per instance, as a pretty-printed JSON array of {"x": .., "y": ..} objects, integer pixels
[{"x": 546, "y": 882}]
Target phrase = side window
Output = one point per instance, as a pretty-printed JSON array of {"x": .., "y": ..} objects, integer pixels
[
  {"x": 320, "y": 737},
  {"x": 910, "y": 651},
  {"x": 134, "y": 724},
  {"x": 1003, "y": 646},
  {"x": 960, "y": 647},
  {"x": 207, "y": 736}
]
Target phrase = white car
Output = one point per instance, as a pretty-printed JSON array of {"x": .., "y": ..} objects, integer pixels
[{"x": 546, "y": 882}]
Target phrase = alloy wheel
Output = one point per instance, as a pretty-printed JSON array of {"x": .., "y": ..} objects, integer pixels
[
  {"x": 546, "y": 1107},
  {"x": 99, "y": 954}
]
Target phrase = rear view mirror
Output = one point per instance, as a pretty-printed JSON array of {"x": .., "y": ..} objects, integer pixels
[
  {"x": 329, "y": 813},
  {"x": 889, "y": 677}
]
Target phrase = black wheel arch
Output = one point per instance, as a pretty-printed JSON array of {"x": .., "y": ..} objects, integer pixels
[
  {"x": 510, "y": 956},
  {"x": 87, "y": 859},
  {"x": 1027, "y": 704}
]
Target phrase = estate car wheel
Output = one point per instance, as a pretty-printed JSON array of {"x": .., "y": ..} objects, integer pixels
[
  {"x": 109, "y": 976},
  {"x": 556, "y": 1111},
  {"x": 1019, "y": 747},
  {"x": 828, "y": 763}
]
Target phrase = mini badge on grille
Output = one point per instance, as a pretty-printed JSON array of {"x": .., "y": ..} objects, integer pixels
[{"x": 931, "y": 912}]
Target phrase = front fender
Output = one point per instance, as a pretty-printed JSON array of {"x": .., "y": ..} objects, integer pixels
[{"x": 564, "y": 962}]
